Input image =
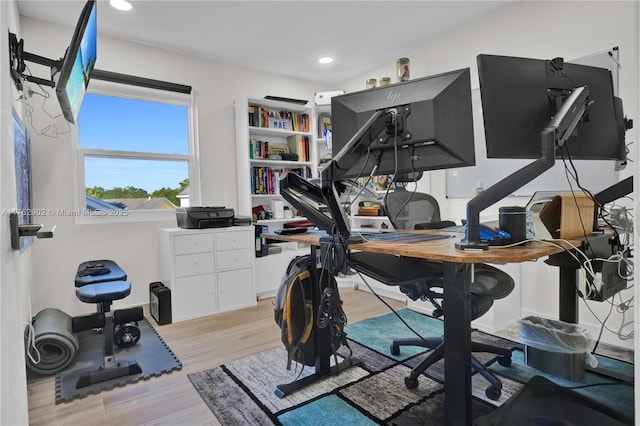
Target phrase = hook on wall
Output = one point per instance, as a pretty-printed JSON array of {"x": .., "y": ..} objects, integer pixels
[{"x": 26, "y": 230}]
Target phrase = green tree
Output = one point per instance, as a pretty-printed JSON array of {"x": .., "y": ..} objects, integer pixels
[
  {"x": 96, "y": 191},
  {"x": 168, "y": 193},
  {"x": 126, "y": 192}
]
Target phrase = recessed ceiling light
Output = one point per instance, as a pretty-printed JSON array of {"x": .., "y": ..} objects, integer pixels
[
  {"x": 325, "y": 60},
  {"x": 120, "y": 4}
]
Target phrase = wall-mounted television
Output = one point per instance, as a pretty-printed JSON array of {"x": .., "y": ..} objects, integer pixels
[{"x": 78, "y": 63}]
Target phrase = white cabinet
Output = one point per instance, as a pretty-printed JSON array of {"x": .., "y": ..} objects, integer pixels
[{"x": 207, "y": 270}]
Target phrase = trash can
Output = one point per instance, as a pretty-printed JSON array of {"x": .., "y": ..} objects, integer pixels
[
  {"x": 555, "y": 347},
  {"x": 160, "y": 303}
]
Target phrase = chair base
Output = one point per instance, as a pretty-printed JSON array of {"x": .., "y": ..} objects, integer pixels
[
  {"x": 122, "y": 369},
  {"x": 493, "y": 391}
]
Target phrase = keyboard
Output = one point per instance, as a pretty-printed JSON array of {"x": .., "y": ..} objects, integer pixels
[{"x": 405, "y": 237}]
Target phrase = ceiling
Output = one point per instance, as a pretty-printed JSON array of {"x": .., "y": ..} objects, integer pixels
[{"x": 285, "y": 37}]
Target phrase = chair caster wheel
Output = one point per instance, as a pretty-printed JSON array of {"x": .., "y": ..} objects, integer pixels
[
  {"x": 492, "y": 393},
  {"x": 395, "y": 349},
  {"x": 410, "y": 383},
  {"x": 504, "y": 361}
]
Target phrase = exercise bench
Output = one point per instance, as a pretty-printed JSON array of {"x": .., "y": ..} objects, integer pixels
[{"x": 102, "y": 289}]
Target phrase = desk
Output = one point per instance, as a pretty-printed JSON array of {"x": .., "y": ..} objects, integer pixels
[{"x": 457, "y": 310}]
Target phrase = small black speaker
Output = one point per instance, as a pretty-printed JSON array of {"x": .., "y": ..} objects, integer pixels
[
  {"x": 160, "y": 303},
  {"x": 514, "y": 221}
]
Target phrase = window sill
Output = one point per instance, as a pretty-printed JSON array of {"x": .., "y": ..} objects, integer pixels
[{"x": 116, "y": 216}]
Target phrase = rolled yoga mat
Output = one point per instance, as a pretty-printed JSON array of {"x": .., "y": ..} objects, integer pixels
[{"x": 54, "y": 341}]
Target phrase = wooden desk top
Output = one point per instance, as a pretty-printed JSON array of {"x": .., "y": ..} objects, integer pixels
[{"x": 443, "y": 250}]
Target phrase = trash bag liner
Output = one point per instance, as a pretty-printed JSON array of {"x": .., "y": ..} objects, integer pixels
[{"x": 554, "y": 336}]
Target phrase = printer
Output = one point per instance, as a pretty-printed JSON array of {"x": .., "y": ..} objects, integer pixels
[{"x": 204, "y": 217}]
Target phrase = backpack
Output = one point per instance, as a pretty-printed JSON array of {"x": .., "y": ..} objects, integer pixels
[{"x": 293, "y": 312}]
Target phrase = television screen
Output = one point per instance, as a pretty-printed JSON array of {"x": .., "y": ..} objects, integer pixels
[{"x": 78, "y": 64}]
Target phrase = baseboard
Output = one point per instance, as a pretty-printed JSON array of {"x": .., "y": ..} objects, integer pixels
[
  {"x": 382, "y": 292},
  {"x": 266, "y": 295}
]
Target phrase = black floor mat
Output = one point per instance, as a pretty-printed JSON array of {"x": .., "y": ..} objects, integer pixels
[{"x": 151, "y": 353}]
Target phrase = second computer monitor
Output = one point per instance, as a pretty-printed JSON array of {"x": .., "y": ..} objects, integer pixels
[{"x": 521, "y": 95}]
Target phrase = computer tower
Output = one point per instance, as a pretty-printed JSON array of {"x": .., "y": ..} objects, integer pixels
[{"x": 160, "y": 303}]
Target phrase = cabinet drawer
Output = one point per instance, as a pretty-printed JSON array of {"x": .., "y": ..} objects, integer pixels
[
  {"x": 194, "y": 264},
  {"x": 196, "y": 243},
  {"x": 231, "y": 259},
  {"x": 232, "y": 241}
]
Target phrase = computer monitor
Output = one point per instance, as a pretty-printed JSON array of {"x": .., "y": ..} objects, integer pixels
[
  {"x": 418, "y": 125},
  {"x": 542, "y": 109},
  {"x": 521, "y": 95},
  {"x": 78, "y": 63}
]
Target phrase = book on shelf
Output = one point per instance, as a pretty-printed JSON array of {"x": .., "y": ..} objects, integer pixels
[
  {"x": 258, "y": 149},
  {"x": 265, "y": 181},
  {"x": 299, "y": 144},
  {"x": 286, "y": 120}
]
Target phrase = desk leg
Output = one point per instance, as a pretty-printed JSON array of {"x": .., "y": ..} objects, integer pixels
[
  {"x": 568, "y": 295},
  {"x": 322, "y": 335},
  {"x": 457, "y": 347},
  {"x": 322, "y": 342}
]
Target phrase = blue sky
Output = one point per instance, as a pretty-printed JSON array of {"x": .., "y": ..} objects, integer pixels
[{"x": 133, "y": 125}]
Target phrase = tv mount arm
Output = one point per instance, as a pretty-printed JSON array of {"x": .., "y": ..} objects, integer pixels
[
  {"x": 554, "y": 135},
  {"x": 17, "y": 58}
]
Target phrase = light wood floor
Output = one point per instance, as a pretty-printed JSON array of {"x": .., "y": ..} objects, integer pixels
[{"x": 199, "y": 344}]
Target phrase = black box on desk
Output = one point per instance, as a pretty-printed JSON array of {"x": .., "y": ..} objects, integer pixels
[{"x": 160, "y": 303}]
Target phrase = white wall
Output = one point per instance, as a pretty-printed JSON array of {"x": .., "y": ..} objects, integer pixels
[
  {"x": 14, "y": 268},
  {"x": 536, "y": 29},
  {"x": 134, "y": 246}
]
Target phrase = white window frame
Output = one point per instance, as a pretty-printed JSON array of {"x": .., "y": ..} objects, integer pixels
[{"x": 107, "y": 88}]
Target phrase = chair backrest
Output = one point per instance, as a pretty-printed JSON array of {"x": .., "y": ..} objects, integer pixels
[{"x": 406, "y": 209}]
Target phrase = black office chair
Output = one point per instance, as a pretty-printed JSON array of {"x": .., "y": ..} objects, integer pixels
[
  {"x": 414, "y": 210},
  {"x": 421, "y": 279}
]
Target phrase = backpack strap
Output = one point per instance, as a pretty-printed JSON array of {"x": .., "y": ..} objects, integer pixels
[{"x": 295, "y": 347}]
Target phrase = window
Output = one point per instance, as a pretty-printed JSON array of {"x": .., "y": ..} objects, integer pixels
[{"x": 136, "y": 153}]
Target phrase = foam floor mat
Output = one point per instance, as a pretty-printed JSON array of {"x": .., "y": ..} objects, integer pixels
[{"x": 151, "y": 353}]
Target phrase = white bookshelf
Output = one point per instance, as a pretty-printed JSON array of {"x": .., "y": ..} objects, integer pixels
[{"x": 248, "y": 198}]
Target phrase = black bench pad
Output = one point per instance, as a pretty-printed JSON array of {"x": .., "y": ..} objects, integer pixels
[
  {"x": 103, "y": 292},
  {"x": 98, "y": 271}
]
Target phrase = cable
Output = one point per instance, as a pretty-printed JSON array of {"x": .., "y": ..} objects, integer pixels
[{"x": 587, "y": 267}]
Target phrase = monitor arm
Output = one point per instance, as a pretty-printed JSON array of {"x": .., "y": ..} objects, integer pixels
[
  {"x": 17, "y": 58},
  {"x": 301, "y": 193},
  {"x": 330, "y": 174},
  {"x": 554, "y": 135}
]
